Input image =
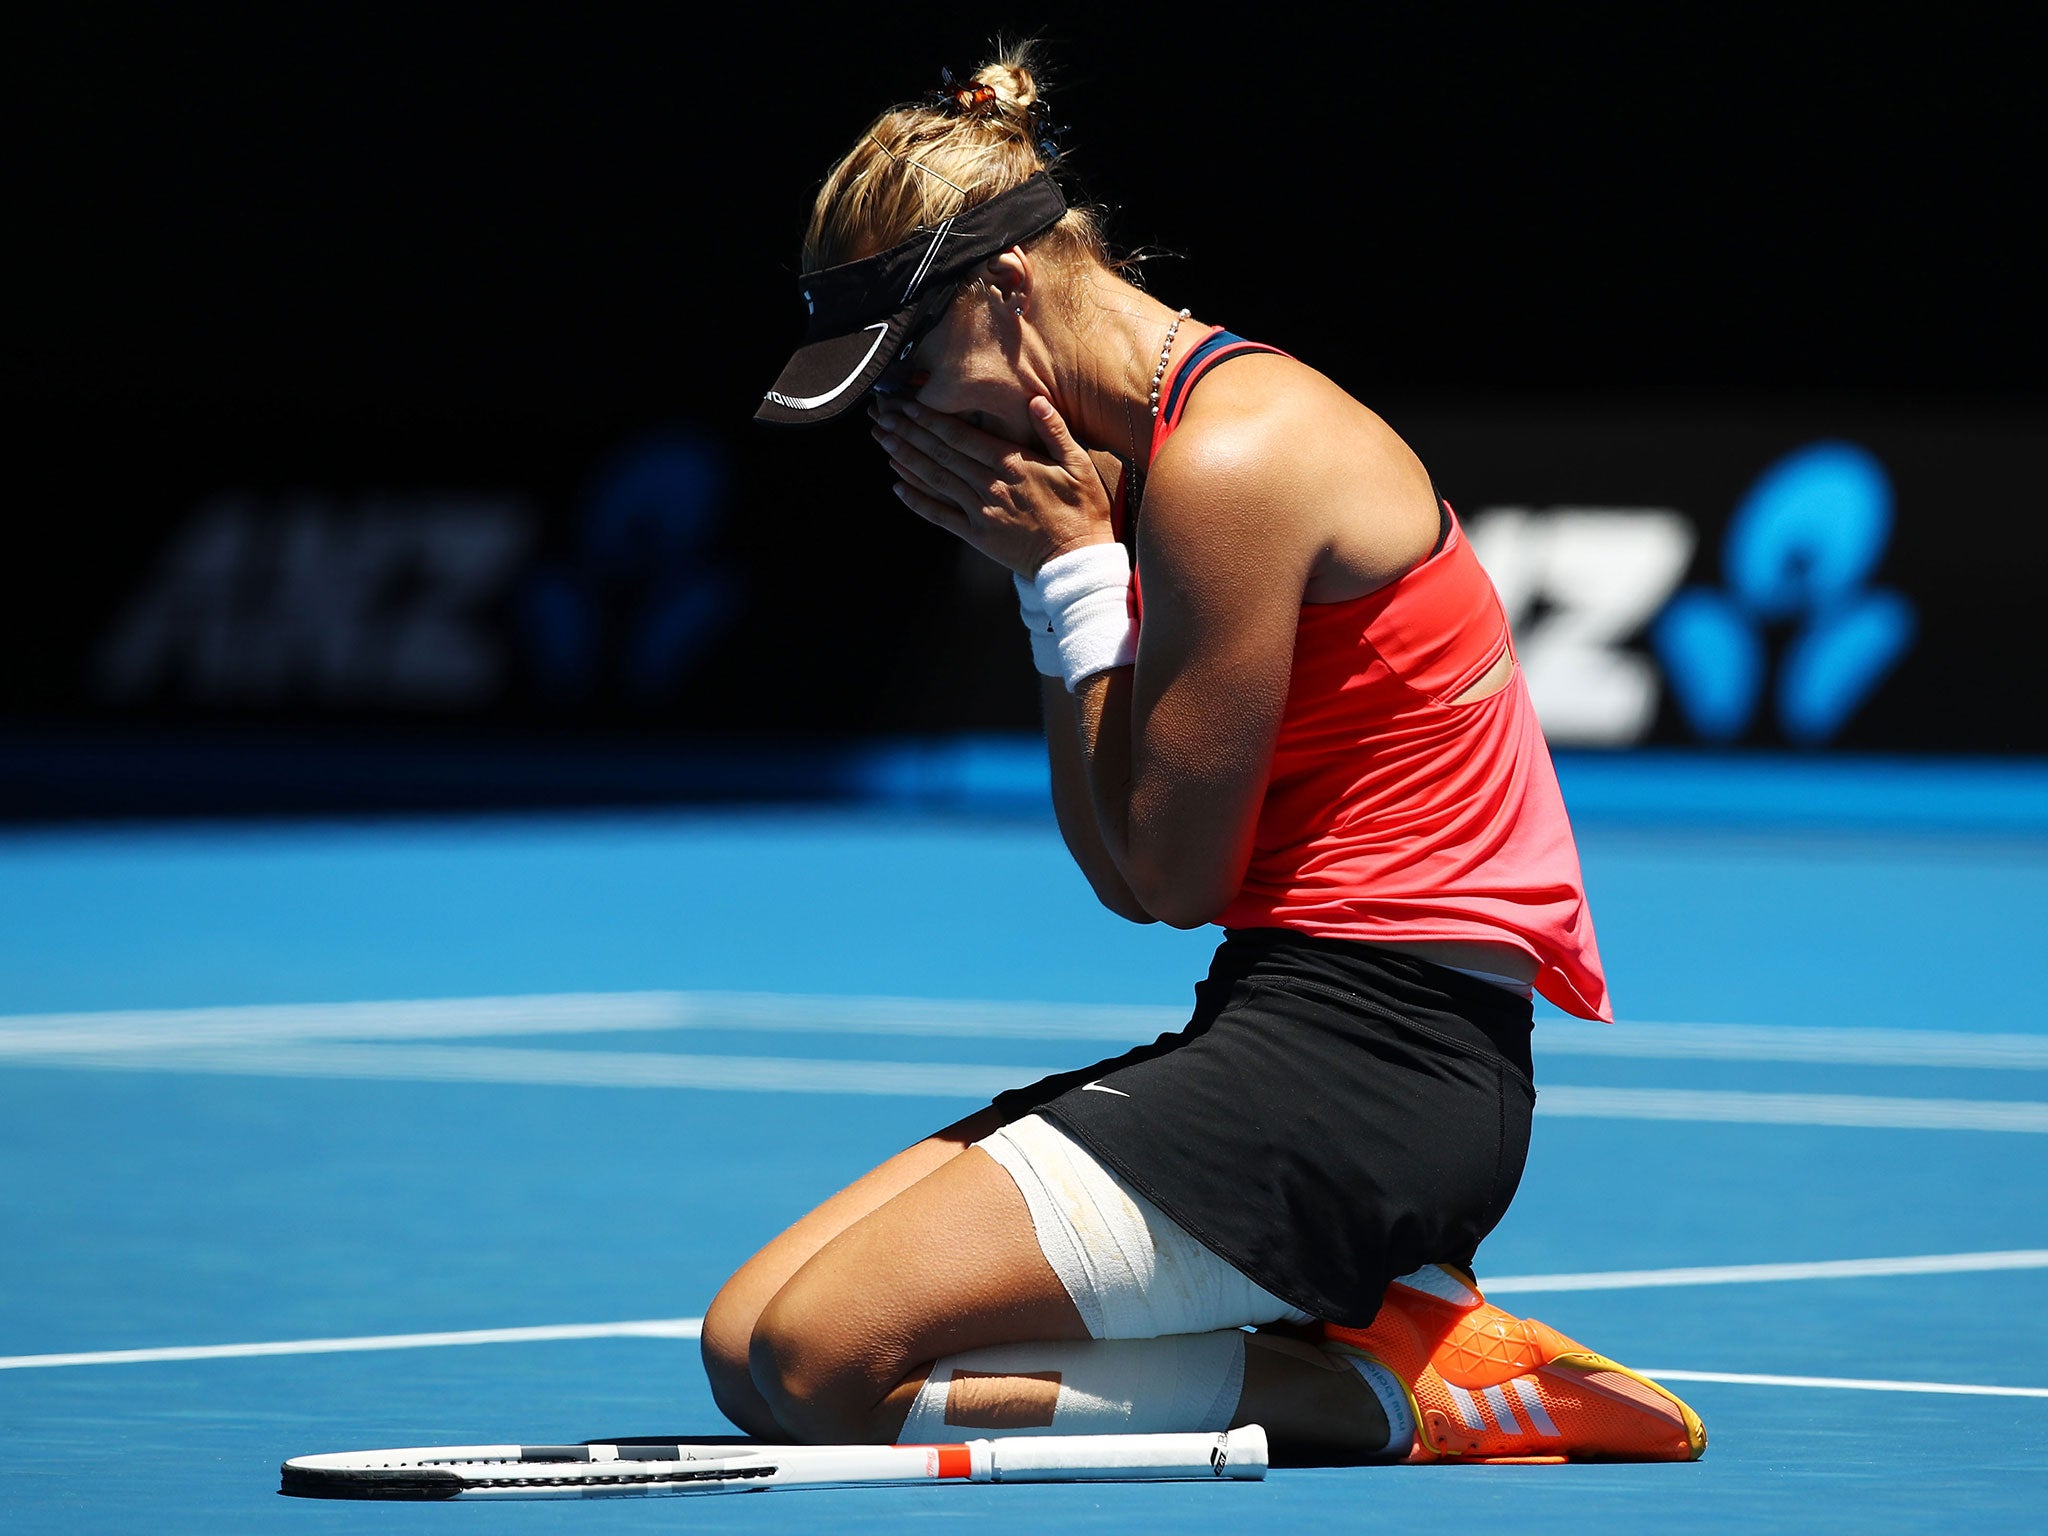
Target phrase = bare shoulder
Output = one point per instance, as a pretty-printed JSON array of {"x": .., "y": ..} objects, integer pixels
[{"x": 1272, "y": 451}]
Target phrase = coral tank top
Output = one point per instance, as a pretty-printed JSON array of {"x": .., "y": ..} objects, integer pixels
[{"x": 1391, "y": 814}]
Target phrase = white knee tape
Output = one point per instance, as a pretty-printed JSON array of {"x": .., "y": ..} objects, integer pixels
[
  {"x": 1106, "y": 1387},
  {"x": 1132, "y": 1271}
]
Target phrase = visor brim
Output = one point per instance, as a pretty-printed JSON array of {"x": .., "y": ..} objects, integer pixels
[
  {"x": 830, "y": 376},
  {"x": 864, "y": 313}
]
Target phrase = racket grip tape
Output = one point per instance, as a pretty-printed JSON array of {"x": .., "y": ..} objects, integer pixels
[{"x": 1233, "y": 1455}]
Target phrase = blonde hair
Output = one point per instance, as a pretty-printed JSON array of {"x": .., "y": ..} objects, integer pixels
[{"x": 920, "y": 164}]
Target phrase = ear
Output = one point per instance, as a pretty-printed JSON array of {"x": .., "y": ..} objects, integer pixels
[{"x": 1010, "y": 274}]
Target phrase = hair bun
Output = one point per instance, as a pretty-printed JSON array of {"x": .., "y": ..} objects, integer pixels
[
  {"x": 924, "y": 161},
  {"x": 1011, "y": 79}
]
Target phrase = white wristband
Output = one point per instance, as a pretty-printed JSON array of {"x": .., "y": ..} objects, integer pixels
[
  {"x": 1086, "y": 594},
  {"x": 1045, "y": 645}
]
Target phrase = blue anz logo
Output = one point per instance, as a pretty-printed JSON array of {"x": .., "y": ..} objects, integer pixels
[
  {"x": 1799, "y": 551},
  {"x": 644, "y": 592}
]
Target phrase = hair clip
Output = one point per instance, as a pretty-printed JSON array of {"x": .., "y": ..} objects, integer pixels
[
  {"x": 965, "y": 98},
  {"x": 1047, "y": 136}
]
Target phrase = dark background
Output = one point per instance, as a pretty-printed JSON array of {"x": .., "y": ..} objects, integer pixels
[{"x": 367, "y": 254}]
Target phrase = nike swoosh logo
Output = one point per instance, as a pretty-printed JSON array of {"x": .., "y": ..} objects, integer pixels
[
  {"x": 1098, "y": 1088},
  {"x": 812, "y": 402}
]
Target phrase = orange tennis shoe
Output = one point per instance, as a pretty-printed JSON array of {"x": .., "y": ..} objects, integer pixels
[{"x": 1486, "y": 1385}]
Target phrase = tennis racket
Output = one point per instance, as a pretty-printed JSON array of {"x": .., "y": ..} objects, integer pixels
[
  {"x": 670, "y": 1469},
  {"x": 636, "y": 1470}
]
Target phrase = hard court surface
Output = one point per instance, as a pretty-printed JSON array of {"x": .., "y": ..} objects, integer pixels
[{"x": 1832, "y": 1051}]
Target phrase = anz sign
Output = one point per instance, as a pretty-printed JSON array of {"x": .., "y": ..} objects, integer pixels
[{"x": 1795, "y": 630}]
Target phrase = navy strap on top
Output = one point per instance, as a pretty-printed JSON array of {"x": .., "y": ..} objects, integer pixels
[
  {"x": 1220, "y": 348},
  {"x": 1202, "y": 359}
]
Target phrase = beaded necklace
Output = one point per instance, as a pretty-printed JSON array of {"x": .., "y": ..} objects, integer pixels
[{"x": 1130, "y": 428}]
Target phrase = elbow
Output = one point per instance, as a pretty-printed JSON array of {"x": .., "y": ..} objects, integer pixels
[
  {"x": 1190, "y": 915},
  {"x": 1130, "y": 912},
  {"x": 1117, "y": 896},
  {"x": 1178, "y": 899}
]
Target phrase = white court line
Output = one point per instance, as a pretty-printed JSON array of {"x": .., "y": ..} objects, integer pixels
[
  {"x": 580, "y": 1013},
  {"x": 1752, "y": 1274},
  {"x": 1841, "y": 1109},
  {"x": 1848, "y": 1383},
  {"x": 32, "y": 1035},
  {"x": 657, "y": 1328},
  {"x": 1792, "y": 1043},
  {"x": 569, "y": 1069},
  {"x": 691, "y": 1327},
  {"x": 1607, "y": 1280},
  {"x": 950, "y": 1080}
]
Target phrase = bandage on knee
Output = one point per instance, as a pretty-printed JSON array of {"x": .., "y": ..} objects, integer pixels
[
  {"x": 1131, "y": 1270},
  {"x": 1181, "y": 1384}
]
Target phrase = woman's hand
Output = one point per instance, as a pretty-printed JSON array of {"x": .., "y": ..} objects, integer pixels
[{"x": 1018, "y": 506}]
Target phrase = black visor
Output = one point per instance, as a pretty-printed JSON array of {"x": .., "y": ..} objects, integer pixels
[{"x": 862, "y": 313}]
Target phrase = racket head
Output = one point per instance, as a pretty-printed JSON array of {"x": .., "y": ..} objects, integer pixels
[{"x": 420, "y": 1473}]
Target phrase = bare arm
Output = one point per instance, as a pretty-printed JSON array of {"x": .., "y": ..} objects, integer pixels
[
  {"x": 1019, "y": 509},
  {"x": 1177, "y": 748},
  {"x": 1174, "y": 752},
  {"x": 1073, "y": 802},
  {"x": 1287, "y": 491}
]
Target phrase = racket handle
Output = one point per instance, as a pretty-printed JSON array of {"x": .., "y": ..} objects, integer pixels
[{"x": 1236, "y": 1454}]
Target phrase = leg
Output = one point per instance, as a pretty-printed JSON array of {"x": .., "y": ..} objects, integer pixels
[
  {"x": 955, "y": 1265},
  {"x": 1315, "y": 1408},
  {"x": 729, "y": 1320},
  {"x": 950, "y": 1264}
]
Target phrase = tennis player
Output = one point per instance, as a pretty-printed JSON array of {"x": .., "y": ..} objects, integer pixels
[{"x": 1280, "y": 696}]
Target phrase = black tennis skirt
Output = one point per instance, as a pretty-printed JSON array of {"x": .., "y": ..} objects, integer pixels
[{"x": 1333, "y": 1116}]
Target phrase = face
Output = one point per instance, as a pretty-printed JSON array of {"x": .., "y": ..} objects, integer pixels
[{"x": 974, "y": 364}]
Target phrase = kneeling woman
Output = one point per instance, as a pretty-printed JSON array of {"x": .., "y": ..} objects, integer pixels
[{"x": 1306, "y": 725}]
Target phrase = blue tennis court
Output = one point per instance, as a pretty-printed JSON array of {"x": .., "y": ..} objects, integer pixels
[{"x": 468, "y": 1118}]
